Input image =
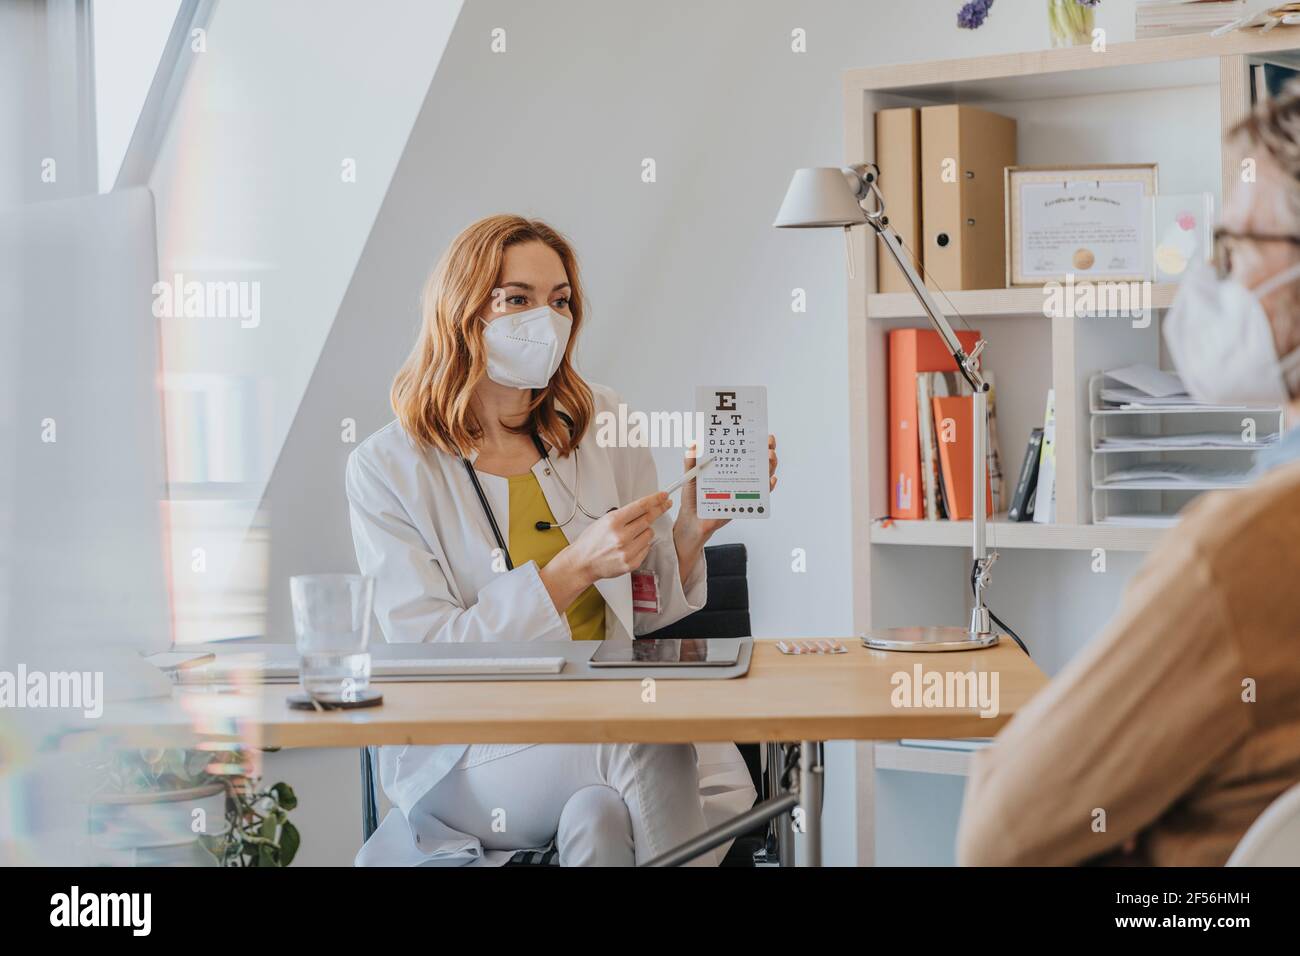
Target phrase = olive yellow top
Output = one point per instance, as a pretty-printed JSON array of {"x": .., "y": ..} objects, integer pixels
[{"x": 527, "y": 507}]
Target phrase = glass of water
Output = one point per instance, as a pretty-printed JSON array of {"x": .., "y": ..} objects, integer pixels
[{"x": 331, "y": 615}]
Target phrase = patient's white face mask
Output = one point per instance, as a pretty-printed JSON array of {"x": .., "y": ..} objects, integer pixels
[
  {"x": 525, "y": 348},
  {"x": 1221, "y": 342}
]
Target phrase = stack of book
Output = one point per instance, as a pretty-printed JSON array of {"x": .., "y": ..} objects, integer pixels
[
  {"x": 1166, "y": 18},
  {"x": 931, "y": 434}
]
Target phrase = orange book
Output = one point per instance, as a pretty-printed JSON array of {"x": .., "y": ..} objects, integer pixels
[
  {"x": 912, "y": 351},
  {"x": 952, "y": 425}
]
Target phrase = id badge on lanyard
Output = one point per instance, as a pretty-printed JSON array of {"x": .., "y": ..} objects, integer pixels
[{"x": 645, "y": 592}]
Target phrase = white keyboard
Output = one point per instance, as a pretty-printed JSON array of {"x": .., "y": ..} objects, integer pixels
[
  {"x": 467, "y": 665},
  {"x": 258, "y": 670}
]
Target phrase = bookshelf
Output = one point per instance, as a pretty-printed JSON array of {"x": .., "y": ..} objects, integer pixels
[
  {"x": 1004, "y": 534},
  {"x": 897, "y": 756},
  {"x": 985, "y": 303},
  {"x": 1166, "y": 101}
]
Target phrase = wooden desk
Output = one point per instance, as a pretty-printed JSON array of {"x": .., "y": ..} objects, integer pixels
[
  {"x": 784, "y": 697},
  {"x": 807, "y": 698}
]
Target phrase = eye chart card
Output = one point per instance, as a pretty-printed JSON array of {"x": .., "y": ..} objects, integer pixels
[{"x": 735, "y": 432}]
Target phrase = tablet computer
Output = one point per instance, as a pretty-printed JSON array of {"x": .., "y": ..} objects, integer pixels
[{"x": 668, "y": 652}]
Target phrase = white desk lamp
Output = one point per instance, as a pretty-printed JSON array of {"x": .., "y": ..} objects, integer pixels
[{"x": 826, "y": 197}]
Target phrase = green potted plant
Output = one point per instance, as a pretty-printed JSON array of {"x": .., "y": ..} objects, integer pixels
[{"x": 175, "y": 807}]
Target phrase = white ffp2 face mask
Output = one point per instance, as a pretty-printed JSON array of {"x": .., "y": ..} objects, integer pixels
[
  {"x": 525, "y": 348},
  {"x": 1221, "y": 342}
]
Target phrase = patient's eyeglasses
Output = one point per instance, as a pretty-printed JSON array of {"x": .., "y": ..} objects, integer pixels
[{"x": 1226, "y": 241}]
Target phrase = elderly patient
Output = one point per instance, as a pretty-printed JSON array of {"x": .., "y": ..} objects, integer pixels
[{"x": 1176, "y": 727}]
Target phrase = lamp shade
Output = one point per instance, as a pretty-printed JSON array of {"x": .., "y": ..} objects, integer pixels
[{"x": 819, "y": 197}]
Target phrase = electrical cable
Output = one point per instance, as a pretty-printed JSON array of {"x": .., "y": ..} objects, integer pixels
[{"x": 974, "y": 575}]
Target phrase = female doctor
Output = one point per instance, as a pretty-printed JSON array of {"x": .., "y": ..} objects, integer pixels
[{"x": 488, "y": 512}]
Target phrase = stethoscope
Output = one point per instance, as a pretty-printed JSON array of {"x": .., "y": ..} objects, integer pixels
[{"x": 541, "y": 525}]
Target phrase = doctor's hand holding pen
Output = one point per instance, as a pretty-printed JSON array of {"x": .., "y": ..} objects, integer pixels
[
  {"x": 613, "y": 545},
  {"x": 619, "y": 541},
  {"x": 691, "y": 532}
]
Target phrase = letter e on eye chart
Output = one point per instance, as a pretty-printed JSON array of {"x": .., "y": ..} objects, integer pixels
[{"x": 735, "y": 485}]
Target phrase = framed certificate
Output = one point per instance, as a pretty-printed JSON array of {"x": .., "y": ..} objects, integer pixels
[{"x": 1090, "y": 221}]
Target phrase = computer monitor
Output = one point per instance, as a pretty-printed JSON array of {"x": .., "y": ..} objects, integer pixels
[{"x": 82, "y": 471}]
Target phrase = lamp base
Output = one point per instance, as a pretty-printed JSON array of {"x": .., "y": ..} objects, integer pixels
[{"x": 928, "y": 639}]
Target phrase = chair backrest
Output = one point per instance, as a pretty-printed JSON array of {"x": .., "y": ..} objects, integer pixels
[
  {"x": 1273, "y": 839},
  {"x": 725, "y": 614}
]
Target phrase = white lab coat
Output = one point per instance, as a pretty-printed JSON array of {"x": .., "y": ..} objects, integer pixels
[{"x": 421, "y": 533}]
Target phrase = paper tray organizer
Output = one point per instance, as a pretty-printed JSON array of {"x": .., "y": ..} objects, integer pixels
[{"x": 1156, "y": 500}]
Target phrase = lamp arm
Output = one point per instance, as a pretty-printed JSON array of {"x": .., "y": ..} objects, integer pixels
[{"x": 966, "y": 363}]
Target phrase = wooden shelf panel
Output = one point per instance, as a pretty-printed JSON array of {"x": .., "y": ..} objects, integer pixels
[
  {"x": 1004, "y": 534},
  {"x": 987, "y": 303},
  {"x": 898, "y": 756},
  {"x": 1070, "y": 71}
]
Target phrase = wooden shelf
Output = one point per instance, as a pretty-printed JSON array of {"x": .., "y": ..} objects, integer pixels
[
  {"x": 1004, "y": 534},
  {"x": 1165, "y": 62},
  {"x": 898, "y": 756},
  {"x": 985, "y": 303}
]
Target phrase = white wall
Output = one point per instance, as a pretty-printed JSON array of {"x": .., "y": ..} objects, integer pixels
[
  {"x": 284, "y": 140},
  {"x": 687, "y": 281},
  {"x": 129, "y": 40}
]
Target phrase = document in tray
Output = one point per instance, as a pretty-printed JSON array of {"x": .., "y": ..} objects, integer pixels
[
  {"x": 1136, "y": 398},
  {"x": 1145, "y": 386},
  {"x": 1191, "y": 441},
  {"x": 1176, "y": 473},
  {"x": 1148, "y": 380}
]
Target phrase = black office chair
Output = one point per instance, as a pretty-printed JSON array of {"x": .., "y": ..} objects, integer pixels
[{"x": 725, "y": 614}]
